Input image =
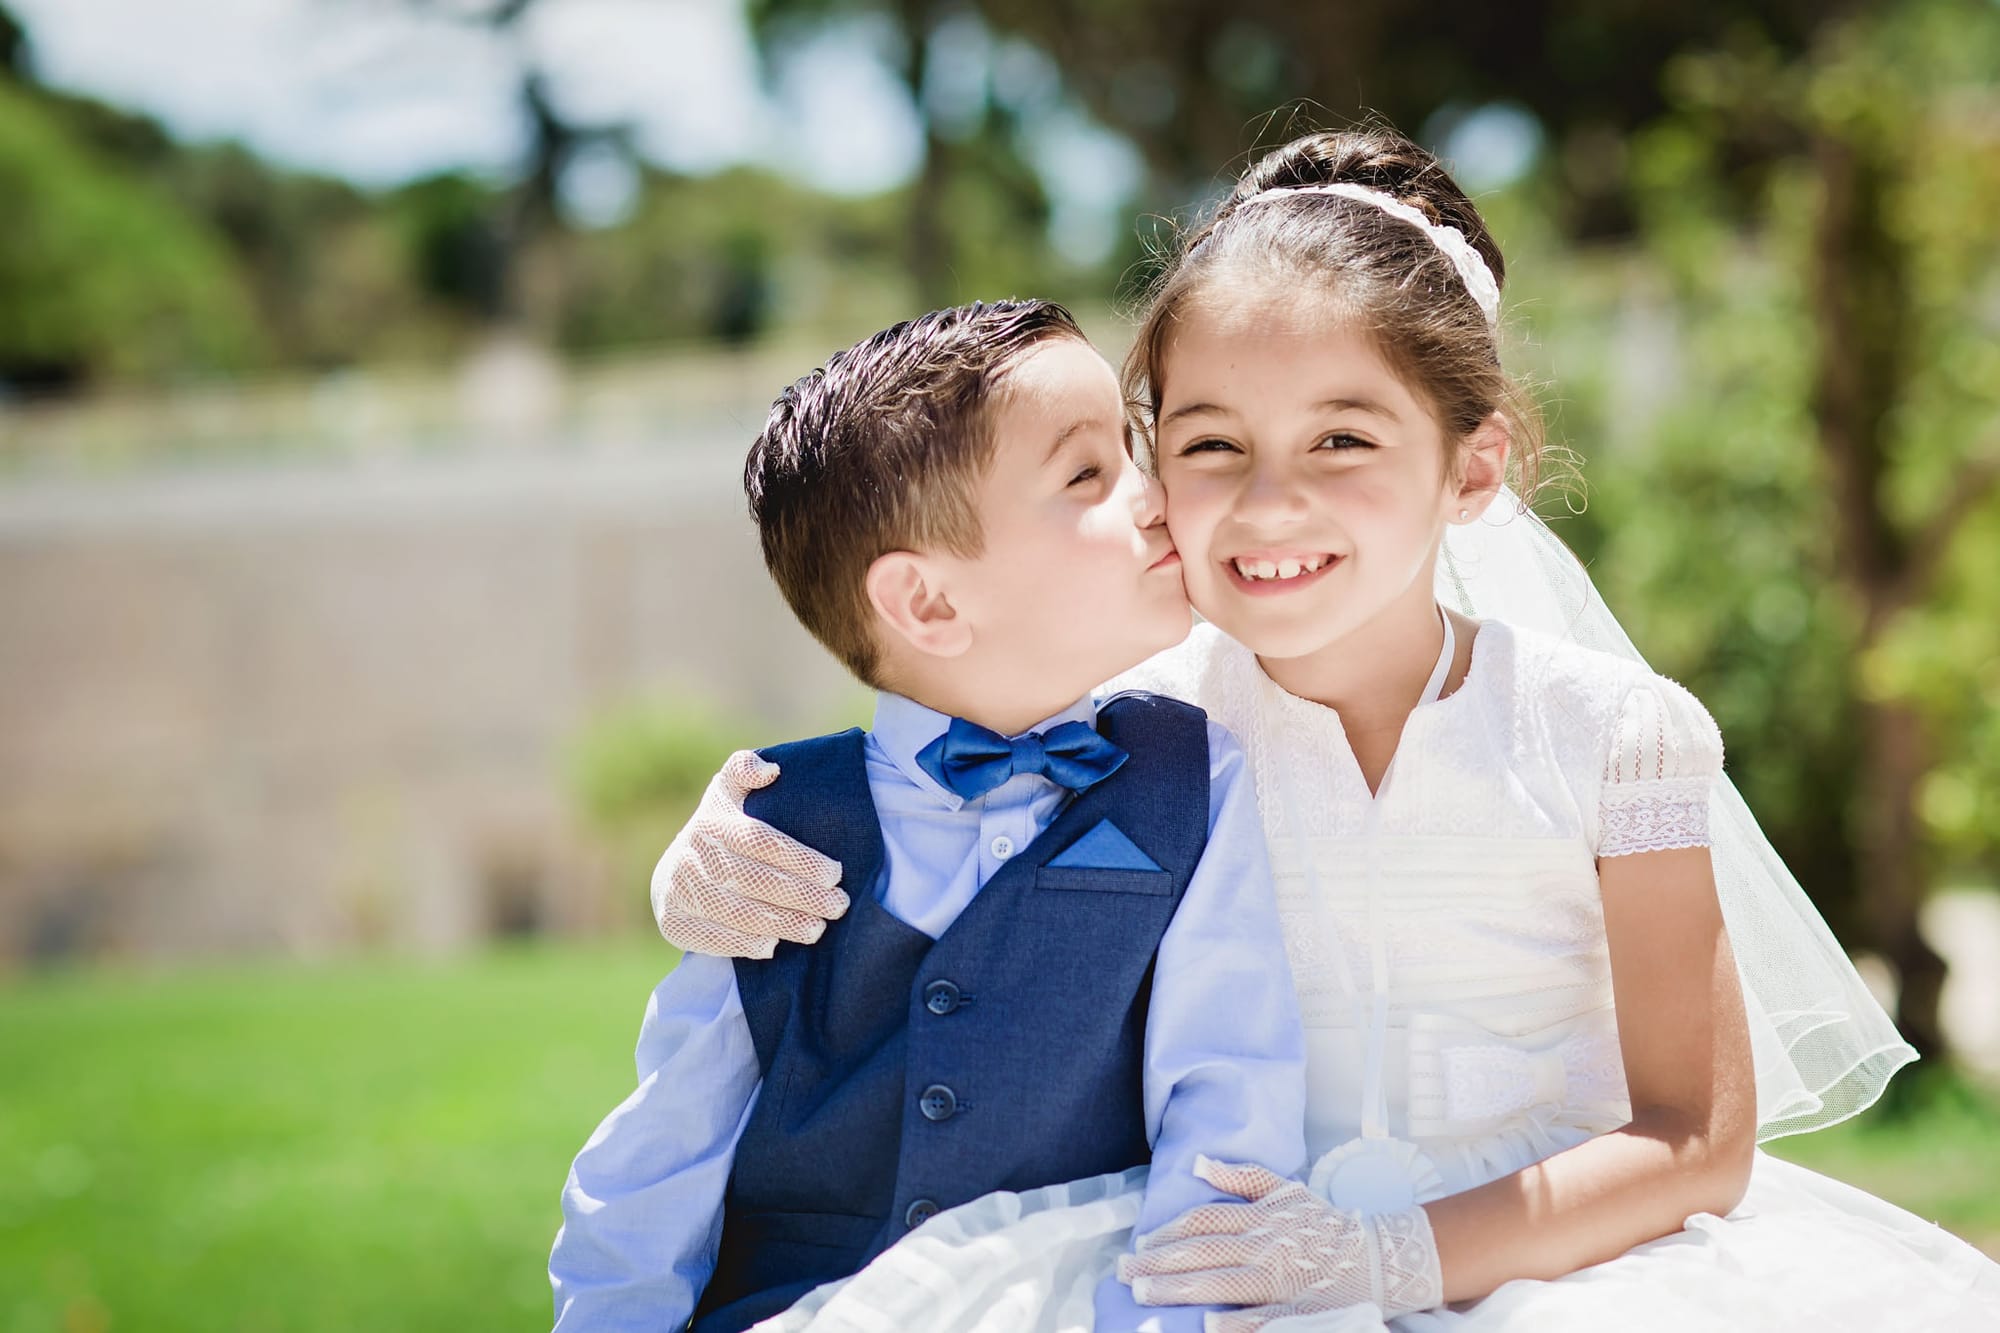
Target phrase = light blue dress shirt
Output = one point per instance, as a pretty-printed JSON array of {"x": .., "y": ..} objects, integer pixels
[{"x": 1224, "y": 1067}]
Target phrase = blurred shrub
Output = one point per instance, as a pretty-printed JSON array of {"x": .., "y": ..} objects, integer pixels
[
  {"x": 638, "y": 770},
  {"x": 320, "y": 258},
  {"x": 452, "y": 234},
  {"x": 728, "y": 256}
]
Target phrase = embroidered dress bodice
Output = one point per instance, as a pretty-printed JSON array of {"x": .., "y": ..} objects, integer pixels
[
  {"x": 1498, "y": 1037},
  {"x": 1474, "y": 868}
]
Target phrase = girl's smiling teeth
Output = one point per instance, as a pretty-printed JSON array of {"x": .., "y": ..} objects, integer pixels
[{"x": 1259, "y": 569}]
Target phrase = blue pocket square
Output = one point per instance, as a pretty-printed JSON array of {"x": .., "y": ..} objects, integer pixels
[{"x": 1103, "y": 848}]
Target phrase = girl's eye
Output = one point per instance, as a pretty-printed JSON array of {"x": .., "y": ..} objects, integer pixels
[
  {"x": 1206, "y": 447},
  {"x": 1342, "y": 442},
  {"x": 1090, "y": 473}
]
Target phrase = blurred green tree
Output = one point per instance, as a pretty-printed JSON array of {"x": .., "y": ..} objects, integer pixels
[
  {"x": 1192, "y": 85},
  {"x": 319, "y": 256},
  {"x": 316, "y": 257},
  {"x": 100, "y": 275},
  {"x": 1811, "y": 527},
  {"x": 13, "y": 46},
  {"x": 1893, "y": 112},
  {"x": 975, "y": 217},
  {"x": 529, "y": 217}
]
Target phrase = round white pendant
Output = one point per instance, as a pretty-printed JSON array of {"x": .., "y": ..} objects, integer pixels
[{"x": 1373, "y": 1176}]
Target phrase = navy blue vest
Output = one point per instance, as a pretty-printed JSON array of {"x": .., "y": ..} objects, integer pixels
[{"x": 904, "y": 1075}]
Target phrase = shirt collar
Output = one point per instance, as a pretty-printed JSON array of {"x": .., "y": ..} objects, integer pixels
[{"x": 903, "y": 727}]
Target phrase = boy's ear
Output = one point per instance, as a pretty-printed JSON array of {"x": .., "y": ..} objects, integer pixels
[
  {"x": 909, "y": 593},
  {"x": 1484, "y": 465}
]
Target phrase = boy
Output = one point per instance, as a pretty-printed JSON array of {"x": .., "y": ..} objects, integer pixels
[{"x": 1063, "y": 956}]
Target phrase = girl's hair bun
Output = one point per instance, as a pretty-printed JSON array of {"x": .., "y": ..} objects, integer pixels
[{"x": 1379, "y": 159}]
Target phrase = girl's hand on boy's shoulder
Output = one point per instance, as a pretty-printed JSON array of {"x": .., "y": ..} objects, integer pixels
[{"x": 733, "y": 886}]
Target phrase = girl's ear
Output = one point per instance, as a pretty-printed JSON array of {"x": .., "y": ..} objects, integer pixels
[
  {"x": 1483, "y": 468},
  {"x": 909, "y": 592}
]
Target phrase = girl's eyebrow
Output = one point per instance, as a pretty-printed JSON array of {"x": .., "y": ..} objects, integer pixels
[
  {"x": 1194, "y": 409},
  {"x": 1368, "y": 405}
]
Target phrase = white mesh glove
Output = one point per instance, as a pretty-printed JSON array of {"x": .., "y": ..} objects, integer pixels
[
  {"x": 733, "y": 886},
  {"x": 1287, "y": 1252}
]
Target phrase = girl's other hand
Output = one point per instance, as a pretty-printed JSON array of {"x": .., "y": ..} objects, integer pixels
[
  {"x": 733, "y": 886},
  {"x": 1284, "y": 1252}
]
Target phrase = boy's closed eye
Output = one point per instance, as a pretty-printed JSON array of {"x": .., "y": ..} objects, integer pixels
[{"x": 1089, "y": 472}]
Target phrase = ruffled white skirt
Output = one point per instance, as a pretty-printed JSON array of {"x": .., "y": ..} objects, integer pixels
[{"x": 1801, "y": 1252}]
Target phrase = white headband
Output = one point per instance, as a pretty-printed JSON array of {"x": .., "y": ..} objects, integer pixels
[{"x": 1472, "y": 270}]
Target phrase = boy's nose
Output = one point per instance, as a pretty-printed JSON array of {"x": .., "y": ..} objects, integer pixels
[{"x": 1152, "y": 503}]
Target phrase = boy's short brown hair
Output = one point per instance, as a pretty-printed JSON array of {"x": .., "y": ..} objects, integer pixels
[{"x": 879, "y": 450}]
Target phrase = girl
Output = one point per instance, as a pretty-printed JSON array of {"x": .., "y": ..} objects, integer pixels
[{"x": 1537, "y": 1070}]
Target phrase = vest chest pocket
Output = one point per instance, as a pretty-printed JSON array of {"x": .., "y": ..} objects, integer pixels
[{"x": 1082, "y": 879}]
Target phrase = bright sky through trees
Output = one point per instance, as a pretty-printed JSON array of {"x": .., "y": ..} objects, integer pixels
[{"x": 377, "y": 92}]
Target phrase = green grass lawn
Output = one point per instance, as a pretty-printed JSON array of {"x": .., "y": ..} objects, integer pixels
[
  {"x": 380, "y": 1145},
  {"x": 375, "y": 1145},
  {"x": 1940, "y": 1158}
]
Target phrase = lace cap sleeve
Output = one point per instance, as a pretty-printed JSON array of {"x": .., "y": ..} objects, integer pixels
[{"x": 1660, "y": 768}]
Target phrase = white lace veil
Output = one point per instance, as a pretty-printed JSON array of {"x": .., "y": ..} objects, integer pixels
[{"x": 1824, "y": 1049}]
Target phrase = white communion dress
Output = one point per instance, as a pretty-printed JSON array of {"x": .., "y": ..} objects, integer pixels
[{"x": 1447, "y": 940}]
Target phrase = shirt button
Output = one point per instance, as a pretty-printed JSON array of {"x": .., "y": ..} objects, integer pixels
[
  {"x": 1003, "y": 847},
  {"x": 938, "y": 1102},
  {"x": 921, "y": 1211},
  {"x": 941, "y": 997}
]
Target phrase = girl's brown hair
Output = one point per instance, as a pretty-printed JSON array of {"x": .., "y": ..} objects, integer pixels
[{"x": 1371, "y": 270}]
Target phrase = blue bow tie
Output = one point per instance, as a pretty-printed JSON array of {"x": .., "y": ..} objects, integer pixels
[{"x": 971, "y": 761}]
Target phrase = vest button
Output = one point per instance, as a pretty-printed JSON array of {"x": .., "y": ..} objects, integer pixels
[
  {"x": 941, "y": 997},
  {"x": 938, "y": 1102},
  {"x": 921, "y": 1211}
]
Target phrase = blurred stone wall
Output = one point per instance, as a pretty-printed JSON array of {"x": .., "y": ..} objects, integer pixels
[{"x": 304, "y": 709}]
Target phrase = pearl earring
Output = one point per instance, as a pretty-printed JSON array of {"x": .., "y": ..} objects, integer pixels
[{"x": 1462, "y": 513}]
